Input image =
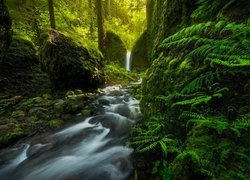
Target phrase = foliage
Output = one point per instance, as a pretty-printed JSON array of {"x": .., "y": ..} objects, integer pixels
[
  {"x": 197, "y": 88},
  {"x": 117, "y": 75}
]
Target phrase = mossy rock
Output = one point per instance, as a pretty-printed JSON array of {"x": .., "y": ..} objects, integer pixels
[
  {"x": 139, "y": 59},
  {"x": 62, "y": 107},
  {"x": 20, "y": 73},
  {"x": 5, "y": 29},
  {"x": 69, "y": 65},
  {"x": 55, "y": 123},
  {"x": 115, "y": 50},
  {"x": 86, "y": 112}
]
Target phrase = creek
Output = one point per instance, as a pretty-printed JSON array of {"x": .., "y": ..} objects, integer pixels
[{"x": 95, "y": 148}]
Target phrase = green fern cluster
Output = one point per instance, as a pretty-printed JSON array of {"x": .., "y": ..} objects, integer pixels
[
  {"x": 218, "y": 43},
  {"x": 152, "y": 136}
]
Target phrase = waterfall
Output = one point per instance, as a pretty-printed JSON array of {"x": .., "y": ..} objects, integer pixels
[{"x": 127, "y": 63}]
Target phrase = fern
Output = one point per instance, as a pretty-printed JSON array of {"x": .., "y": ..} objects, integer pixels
[
  {"x": 217, "y": 123},
  {"x": 212, "y": 40}
]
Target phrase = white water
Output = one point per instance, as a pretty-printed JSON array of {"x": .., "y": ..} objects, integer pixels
[
  {"x": 91, "y": 149},
  {"x": 127, "y": 60}
]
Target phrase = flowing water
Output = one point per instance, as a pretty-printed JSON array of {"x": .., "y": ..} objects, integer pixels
[
  {"x": 92, "y": 149},
  {"x": 127, "y": 61}
]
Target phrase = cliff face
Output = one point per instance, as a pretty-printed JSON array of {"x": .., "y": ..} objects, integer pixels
[
  {"x": 195, "y": 93},
  {"x": 165, "y": 17}
]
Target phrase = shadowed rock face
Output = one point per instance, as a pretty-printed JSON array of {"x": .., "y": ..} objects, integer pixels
[
  {"x": 5, "y": 29},
  {"x": 139, "y": 59},
  {"x": 69, "y": 65}
]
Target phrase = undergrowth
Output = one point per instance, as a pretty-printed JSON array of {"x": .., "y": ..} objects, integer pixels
[{"x": 195, "y": 103}]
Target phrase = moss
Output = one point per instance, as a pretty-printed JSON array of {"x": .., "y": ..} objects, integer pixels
[
  {"x": 5, "y": 29},
  {"x": 18, "y": 113},
  {"x": 139, "y": 59},
  {"x": 10, "y": 134},
  {"x": 55, "y": 123},
  {"x": 118, "y": 75},
  {"x": 20, "y": 73},
  {"x": 115, "y": 49},
  {"x": 194, "y": 92},
  {"x": 69, "y": 65},
  {"x": 86, "y": 112}
]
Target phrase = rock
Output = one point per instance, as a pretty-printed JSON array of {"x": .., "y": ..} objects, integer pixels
[
  {"x": 39, "y": 113},
  {"x": 139, "y": 59},
  {"x": 62, "y": 107},
  {"x": 5, "y": 29},
  {"x": 69, "y": 65},
  {"x": 86, "y": 112},
  {"x": 20, "y": 73},
  {"x": 78, "y": 91},
  {"x": 70, "y": 93},
  {"x": 115, "y": 49},
  {"x": 103, "y": 101},
  {"x": 55, "y": 123},
  {"x": 47, "y": 96},
  {"x": 18, "y": 113}
]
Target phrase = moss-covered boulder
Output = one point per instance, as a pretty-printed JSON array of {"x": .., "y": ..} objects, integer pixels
[
  {"x": 20, "y": 73},
  {"x": 70, "y": 65},
  {"x": 115, "y": 50},
  {"x": 139, "y": 59},
  {"x": 5, "y": 29}
]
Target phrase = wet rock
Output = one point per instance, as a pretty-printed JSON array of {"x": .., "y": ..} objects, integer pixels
[
  {"x": 86, "y": 112},
  {"x": 103, "y": 101},
  {"x": 117, "y": 124}
]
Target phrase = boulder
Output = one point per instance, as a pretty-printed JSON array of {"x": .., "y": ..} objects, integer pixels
[
  {"x": 20, "y": 73},
  {"x": 70, "y": 65},
  {"x": 139, "y": 59},
  {"x": 5, "y": 29},
  {"x": 115, "y": 49}
]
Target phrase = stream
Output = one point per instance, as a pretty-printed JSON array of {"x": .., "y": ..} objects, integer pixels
[{"x": 95, "y": 148}]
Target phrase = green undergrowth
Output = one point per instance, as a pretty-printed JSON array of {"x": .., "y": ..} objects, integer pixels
[
  {"x": 118, "y": 75},
  {"x": 195, "y": 100}
]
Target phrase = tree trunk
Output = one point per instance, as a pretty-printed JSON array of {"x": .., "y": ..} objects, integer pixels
[
  {"x": 100, "y": 24},
  {"x": 107, "y": 9},
  {"x": 91, "y": 23},
  {"x": 51, "y": 14}
]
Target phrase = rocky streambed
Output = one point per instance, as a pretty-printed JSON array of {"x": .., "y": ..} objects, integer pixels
[{"x": 94, "y": 148}]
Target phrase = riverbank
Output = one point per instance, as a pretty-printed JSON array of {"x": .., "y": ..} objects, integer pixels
[{"x": 97, "y": 140}]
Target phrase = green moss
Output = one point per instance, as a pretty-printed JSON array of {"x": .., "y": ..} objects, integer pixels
[
  {"x": 13, "y": 132},
  {"x": 115, "y": 49},
  {"x": 193, "y": 94},
  {"x": 5, "y": 29},
  {"x": 69, "y": 65},
  {"x": 86, "y": 112},
  {"x": 17, "y": 114},
  {"x": 118, "y": 75},
  {"x": 55, "y": 123}
]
